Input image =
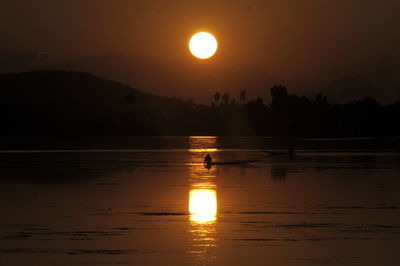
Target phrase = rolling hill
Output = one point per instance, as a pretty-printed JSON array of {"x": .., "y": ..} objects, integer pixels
[{"x": 67, "y": 102}]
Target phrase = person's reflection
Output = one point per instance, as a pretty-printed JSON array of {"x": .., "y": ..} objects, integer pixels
[
  {"x": 203, "y": 208},
  {"x": 208, "y": 166}
]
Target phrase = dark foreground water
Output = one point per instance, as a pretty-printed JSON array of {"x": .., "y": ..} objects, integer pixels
[{"x": 150, "y": 201}]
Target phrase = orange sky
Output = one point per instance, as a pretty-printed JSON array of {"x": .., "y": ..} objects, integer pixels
[{"x": 290, "y": 39}]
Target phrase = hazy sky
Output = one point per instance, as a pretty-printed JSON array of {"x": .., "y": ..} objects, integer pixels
[
  {"x": 292, "y": 39},
  {"x": 280, "y": 36}
]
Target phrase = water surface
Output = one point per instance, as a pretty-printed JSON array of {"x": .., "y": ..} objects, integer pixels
[{"x": 152, "y": 202}]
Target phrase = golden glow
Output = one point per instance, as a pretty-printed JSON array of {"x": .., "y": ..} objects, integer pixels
[
  {"x": 203, "y": 150},
  {"x": 203, "y": 45},
  {"x": 203, "y": 205},
  {"x": 204, "y": 145},
  {"x": 203, "y": 200},
  {"x": 202, "y": 137}
]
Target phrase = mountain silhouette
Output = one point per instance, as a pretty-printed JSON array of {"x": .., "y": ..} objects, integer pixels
[{"x": 66, "y": 102}]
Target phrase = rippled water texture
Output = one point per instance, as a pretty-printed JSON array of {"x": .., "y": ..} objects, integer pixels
[{"x": 153, "y": 202}]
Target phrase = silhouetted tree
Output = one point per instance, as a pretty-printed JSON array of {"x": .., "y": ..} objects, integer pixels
[
  {"x": 242, "y": 96},
  {"x": 279, "y": 95},
  {"x": 226, "y": 98},
  {"x": 259, "y": 101},
  {"x": 217, "y": 97}
]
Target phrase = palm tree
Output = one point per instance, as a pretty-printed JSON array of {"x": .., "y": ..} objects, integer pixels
[
  {"x": 226, "y": 98},
  {"x": 217, "y": 97}
]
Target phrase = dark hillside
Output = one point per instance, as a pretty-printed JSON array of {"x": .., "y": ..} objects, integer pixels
[{"x": 63, "y": 102}]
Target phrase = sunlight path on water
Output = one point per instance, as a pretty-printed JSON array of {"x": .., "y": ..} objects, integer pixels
[{"x": 202, "y": 201}]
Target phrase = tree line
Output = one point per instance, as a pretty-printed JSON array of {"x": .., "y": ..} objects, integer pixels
[{"x": 299, "y": 116}]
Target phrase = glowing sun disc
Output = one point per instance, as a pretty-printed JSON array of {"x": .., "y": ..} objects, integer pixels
[{"x": 203, "y": 45}]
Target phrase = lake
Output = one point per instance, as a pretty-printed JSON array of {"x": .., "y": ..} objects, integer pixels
[{"x": 151, "y": 201}]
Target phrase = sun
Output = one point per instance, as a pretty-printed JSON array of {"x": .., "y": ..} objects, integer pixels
[{"x": 203, "y": 45}]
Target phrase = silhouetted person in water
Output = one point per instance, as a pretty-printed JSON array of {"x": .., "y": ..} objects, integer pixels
[{"x": 207, "y": 160}]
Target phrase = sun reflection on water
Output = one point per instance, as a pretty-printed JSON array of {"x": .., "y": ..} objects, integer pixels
[
  {"x": 204, "y": 144},
  {"x": 203, "y": 208},
  {"x": 203, "y": 150},
  {"x": 203, "y": 205}
]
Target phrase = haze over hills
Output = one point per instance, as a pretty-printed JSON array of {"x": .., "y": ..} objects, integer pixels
[
  {"x": 184, "y": 79},
  {"x": 200, "y": 80}
]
